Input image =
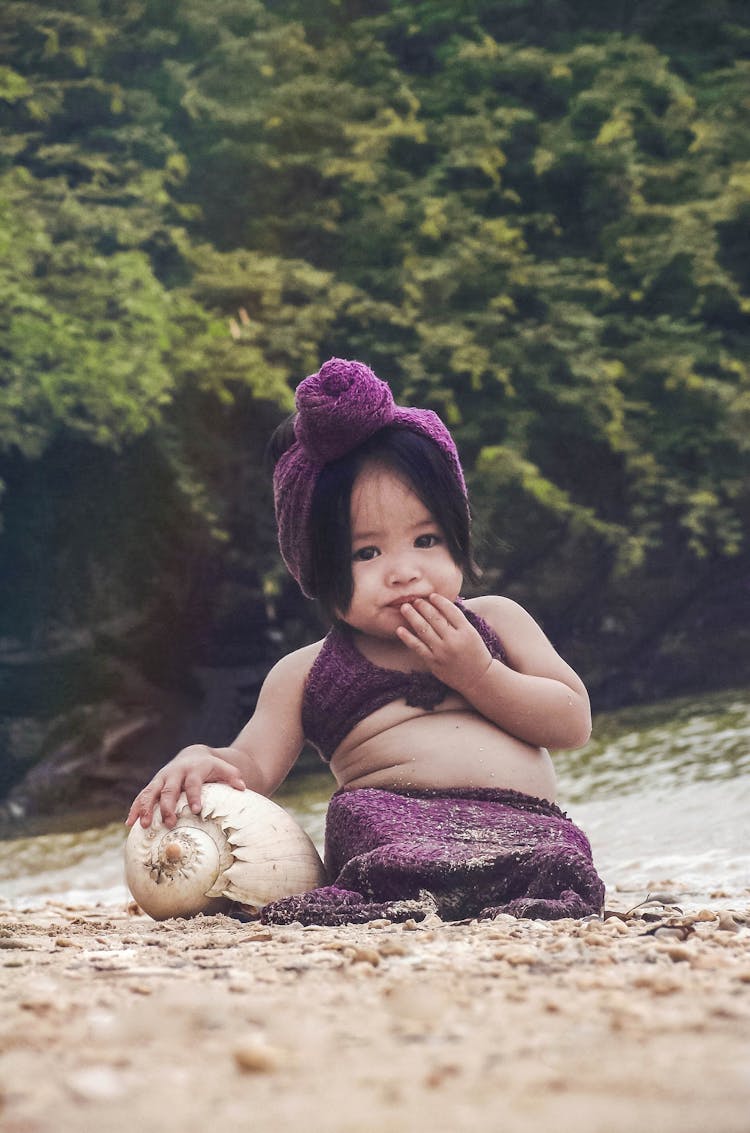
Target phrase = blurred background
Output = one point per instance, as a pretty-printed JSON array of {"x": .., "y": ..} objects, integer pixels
[{"x": 532, "y": 216}]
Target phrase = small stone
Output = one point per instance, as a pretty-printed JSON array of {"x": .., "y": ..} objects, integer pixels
[
  {"x": 503, "y": 921},
  {"x": 365, "y": 956},
  {"x": 440, "y": 1074},
  {"x": 516, "y": 956},
  {"x": 678, "y": 952},
  {"x": 597, "y": 939},
  {"x": 592, "y": 924},
  {"x": 657, "y": 984},
  {"x": 38, "y": 1002},
  {"x": 392, "y": 948},
  {"x": 670, "y": 932},
  {"x": 254, "y": 1055},
  {"x": 97, "y": 1083},
  {"x": 727, "y": 923}
]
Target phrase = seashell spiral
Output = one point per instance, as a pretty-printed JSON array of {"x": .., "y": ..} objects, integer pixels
[{"x": 240, "y": 847}]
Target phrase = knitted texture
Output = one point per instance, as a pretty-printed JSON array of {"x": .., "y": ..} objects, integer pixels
[
  {"x": 464, "y": 853},
  {"x": 337, "y": 409},
  {"x": 343, "y": 686}
]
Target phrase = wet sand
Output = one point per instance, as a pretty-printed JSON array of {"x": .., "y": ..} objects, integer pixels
[{"x": 113, "y": 1022}]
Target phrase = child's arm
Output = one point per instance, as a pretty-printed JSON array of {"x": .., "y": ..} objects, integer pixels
[
  {"x": 259, "y": 758},
  {"x": 536, "y": 697}
]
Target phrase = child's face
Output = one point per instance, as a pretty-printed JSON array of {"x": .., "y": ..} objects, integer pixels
[{"x": 398, "y": 552}]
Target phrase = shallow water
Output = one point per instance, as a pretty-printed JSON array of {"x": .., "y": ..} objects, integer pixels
[{"x": 663, "y": 793}]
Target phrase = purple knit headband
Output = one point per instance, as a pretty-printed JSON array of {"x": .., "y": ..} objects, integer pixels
[{"x": 337, "y": 409}]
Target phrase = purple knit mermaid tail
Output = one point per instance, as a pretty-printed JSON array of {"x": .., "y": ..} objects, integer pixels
[
  {"x": 332, "y": 905},
  {"x": 474, "y": 853}
]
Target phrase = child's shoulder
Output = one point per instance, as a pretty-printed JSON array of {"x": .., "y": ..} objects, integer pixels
[
  {"x": 507, "y": 618},
  {"x": 492, "y": 606},
  {"x": 297, "y": 664}
]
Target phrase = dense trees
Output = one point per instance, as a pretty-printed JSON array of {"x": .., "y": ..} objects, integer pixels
[{"x": 531, "y": 216}]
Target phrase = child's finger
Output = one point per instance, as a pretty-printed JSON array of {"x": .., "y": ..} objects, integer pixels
[
  {"x": 193, "y": 784},
  {"x": 233, "y": 779},
  {"x": 168, "y": 804},
  {"x": 412, "y": 641},
  {"x": 135, "y": 813},
  {"x": 143, "y": 804},
  {"x": 419, "y": 619},
  {"x": 435, "y": 618},
  {"x": 448, "y": 610}
]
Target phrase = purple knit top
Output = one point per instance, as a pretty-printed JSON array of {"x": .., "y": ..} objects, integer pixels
[{"x": 343, "y": 687}]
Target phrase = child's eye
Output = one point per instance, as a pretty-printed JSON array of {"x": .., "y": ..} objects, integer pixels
[
  {"x": 365, "y": 554},
  {"x": 427, "y": 541}
]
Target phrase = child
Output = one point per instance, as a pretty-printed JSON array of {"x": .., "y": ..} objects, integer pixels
[{"x": 434, "y": 713}]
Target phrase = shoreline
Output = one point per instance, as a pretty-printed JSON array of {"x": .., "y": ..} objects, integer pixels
[{"x": 112, "y": 1020}]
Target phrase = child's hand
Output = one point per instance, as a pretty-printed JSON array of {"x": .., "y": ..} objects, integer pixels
[
  {"x": 447, "y": 642},
  {"x": 187, "y": 772}
]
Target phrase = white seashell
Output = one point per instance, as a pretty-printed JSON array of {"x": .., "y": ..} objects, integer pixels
[{"x": 241, "y": 847}]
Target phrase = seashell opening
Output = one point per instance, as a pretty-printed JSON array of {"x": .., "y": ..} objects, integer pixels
[
  {"x": 175, "y": 872},
  {"x": 241, "y": 847}
]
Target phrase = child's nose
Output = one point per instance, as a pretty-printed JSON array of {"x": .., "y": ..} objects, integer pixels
[{"x": 403, "y": 570}]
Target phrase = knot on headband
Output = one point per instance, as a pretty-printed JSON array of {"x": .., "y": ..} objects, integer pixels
[{"x": 337, "y": 409}]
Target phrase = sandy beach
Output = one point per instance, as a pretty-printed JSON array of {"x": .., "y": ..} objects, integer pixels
[{"x": 111, "y": 1021}]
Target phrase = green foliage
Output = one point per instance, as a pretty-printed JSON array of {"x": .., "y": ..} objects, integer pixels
[
  {"x": 69, "y": 316},
  {"x": 531, "y": 217}
]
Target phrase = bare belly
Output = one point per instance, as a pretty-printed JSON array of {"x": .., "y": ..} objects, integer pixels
[{"x": 452, "y": 746}]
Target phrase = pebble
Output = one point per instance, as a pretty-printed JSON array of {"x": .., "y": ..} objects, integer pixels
[
  {"x": 254, "y": 1055},
  {"x": 678, "y": 952},
  {"x": 440, "y": 1074},
  {"x": 97, "y": 1083},
  {"x": 392, "y": 948},
  {"x": 658, "y": 984},
  {"x": 516, "y": 956},
  {"x": 364, "y": 956},
  {"x": 597, "y": 939},
  {"x": 671, "y": 932},
  {"x": 40, "y": 1002},
  {"x": 616, "y": 924}
]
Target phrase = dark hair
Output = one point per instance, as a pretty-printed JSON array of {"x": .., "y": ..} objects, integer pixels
[
  {"x": 280, "y": 440},
  {"x": 423, "y": 465}
]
